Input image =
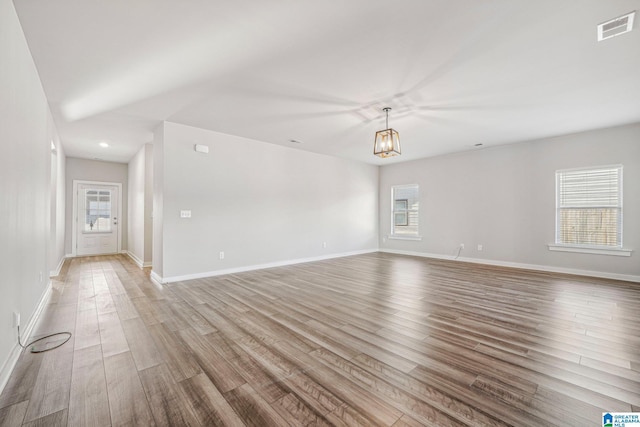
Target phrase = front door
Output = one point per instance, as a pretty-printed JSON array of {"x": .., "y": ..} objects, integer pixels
[{"x": 97, "y": 226}]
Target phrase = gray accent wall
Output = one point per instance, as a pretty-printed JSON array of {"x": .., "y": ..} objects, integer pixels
[
  {"x": 258, "y": 203},
  {"x": 504, "y": 199}
]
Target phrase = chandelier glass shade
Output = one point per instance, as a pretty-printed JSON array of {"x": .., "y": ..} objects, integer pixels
[{"x": 387, "y": 142}]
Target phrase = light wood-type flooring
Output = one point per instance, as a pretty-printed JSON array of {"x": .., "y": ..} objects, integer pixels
[{"x": 375, "y": 339}]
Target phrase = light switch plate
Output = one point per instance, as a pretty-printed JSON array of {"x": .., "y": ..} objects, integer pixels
[{"x": 185, "y": 214}]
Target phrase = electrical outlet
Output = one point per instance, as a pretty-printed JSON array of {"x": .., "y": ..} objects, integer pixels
[
  {"x": 461, "y": 245},
  {"x": 221, "y": 255},
  {"x": 324, "y": 245},
  {"x": 479, "y": 247},
  {"x": 16, "y": 319},
  {"x": 41, "y": 277}
]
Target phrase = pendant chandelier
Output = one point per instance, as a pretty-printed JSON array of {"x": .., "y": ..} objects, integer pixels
[{"x": 387, "y": 142}]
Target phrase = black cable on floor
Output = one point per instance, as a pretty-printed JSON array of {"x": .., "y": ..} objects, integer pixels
[{"x": 33, "y": 350}]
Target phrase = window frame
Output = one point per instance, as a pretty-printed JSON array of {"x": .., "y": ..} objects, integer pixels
[
  {"x": 407, "y": 211},
  {"x": 590, "y": 248},
  {"x": 99, "y": 211}
]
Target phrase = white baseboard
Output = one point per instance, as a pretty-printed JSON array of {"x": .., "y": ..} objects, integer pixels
[
  {"x": 56, "y": 272},
  {"x": 156, "y": 278},
  {"x": 25, "y": 334},
  {"x": 137, "y": 260},
  {"x": 159, "y": 279},
  {"x": 537, "y": 267}
]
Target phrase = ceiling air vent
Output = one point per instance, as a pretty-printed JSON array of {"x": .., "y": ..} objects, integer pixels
[{"x": 616, "y": 26}]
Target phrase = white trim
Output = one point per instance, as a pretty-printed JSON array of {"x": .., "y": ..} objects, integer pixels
[
  {"x": 56, "y": 272},
  {"x": 590, "y": 250},
  {"x": 619, "y": 232},
  {"x": 392, "y": 237},
  {"x": 256, "y": 267},
  {"x": 156, "y": 278},
  {"x": 546, "y": 268},
  {"x": 393, "y": 207},
  {"x": 16, "y": 351},
  {"x": 137, "y": 260},
  {"x": 74, "y": 219}
]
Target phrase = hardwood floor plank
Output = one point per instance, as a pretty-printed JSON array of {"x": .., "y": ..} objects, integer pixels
[
  {"x": 88, "y": 401},
  {"x": 104, "y": 301},
  {"x": 252, "y": 409},
  {"x": 364, "y": 346},
  {"x": 373, "y": 339},
  {"x": 19, "y": 388},
  {"x": 143, "y": 349},
  {"x": 125, "y": 308},
  {"x": 57, "y": 419},
  {"x": 296, "y": 412},
  {"x": 51, "y": 389},
  {"x": 112, "y": 338},
  {"x": 127, "y": 401},
  {"x": 174, "y": 352},
  {"x": 359, "y": 399},
  {"x": 149, "y": 312},
  {"x": 167, "y": 403},
  {"x": 313, "y": 394},
  {"x": 13, "y": 415},
  {"x": 192, "y": 318},
  {"x": 87, "y": 330},
  {"x": 209, "y": 405},
  {"x": 219, "y": 371}
]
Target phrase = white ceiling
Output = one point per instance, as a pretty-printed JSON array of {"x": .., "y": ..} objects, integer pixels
[{"x": 456, "y": 72}]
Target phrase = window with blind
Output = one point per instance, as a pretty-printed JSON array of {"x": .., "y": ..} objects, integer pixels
[
  {"x": 404, "y": 211},
  {"x": 589, "y": 207}
]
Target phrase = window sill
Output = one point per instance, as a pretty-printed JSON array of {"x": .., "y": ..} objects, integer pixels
[
  {"x": 391, "y": 237},
  {"x": 598, "y": 250}
]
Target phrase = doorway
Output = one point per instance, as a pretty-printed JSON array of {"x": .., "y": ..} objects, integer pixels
[{"x": 97, "y": 217}]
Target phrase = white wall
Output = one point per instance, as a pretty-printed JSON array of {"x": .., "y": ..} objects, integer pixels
[
  {"x": 140, "y": 178},
  {"x": 504, "y": 199},
  {"x": 57, "y": 185},
  {"x": 157, "y": 269},
  {"x": 95, "y": 170},
  {"x": 259, "y": 203},
  {"x": 25, "y": 162}
]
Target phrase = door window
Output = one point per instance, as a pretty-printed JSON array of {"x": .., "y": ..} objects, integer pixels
[{"x": 97, "y": 217}]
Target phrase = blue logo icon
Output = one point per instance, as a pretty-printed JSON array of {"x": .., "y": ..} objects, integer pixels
[{"x": 607, "y": 420}]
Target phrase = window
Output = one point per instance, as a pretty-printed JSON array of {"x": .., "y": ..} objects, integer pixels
[
  {"x": 404, "y": 211},
  {"x": 97, "y": 211},
  {"x": 589, "y": 207}
]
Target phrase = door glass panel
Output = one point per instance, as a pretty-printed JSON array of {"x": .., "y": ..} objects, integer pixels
[{"x": 97, "y": 211}]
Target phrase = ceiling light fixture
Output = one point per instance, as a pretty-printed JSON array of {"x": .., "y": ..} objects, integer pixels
[
  {"x": 103, "y": 145},
  {"x": 387, "y": 142}
]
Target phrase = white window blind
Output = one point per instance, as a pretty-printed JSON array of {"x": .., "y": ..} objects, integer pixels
[
  {"x": 404, "y": 215},
  {"x": 589, "y": 206}
]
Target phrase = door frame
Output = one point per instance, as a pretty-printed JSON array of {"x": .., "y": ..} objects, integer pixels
[{"x": 74, "y": 220}]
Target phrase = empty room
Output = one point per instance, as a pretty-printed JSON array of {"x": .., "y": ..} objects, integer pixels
[{"x": 295, "y": 213}]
